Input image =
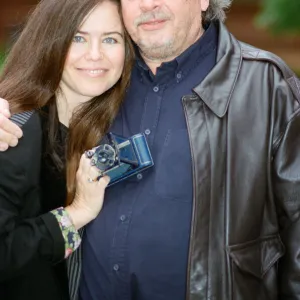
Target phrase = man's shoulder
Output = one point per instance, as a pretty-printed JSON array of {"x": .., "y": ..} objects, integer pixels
[{"x": 250, "y": 52}]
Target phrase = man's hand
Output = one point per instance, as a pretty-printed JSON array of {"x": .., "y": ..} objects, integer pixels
[{"x": 9, "y": 131}]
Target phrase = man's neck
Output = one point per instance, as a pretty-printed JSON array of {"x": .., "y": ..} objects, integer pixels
[{"x": 154, "y": 64}]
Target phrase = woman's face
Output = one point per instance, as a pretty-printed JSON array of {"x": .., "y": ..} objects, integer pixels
[{"x": 96, "y": 57}]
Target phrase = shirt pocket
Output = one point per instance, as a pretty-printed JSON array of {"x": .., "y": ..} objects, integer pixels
[
  {"x": 173, "y": 178},
  {"x": 254, "y": 268}
]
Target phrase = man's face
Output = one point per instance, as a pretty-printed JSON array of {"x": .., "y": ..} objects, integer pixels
[{"x": 163, "y": 29}]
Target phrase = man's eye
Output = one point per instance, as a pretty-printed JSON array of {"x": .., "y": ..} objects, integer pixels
[
  {"x": 78, "y": 39},
  {"x": 110, "y": 40}
]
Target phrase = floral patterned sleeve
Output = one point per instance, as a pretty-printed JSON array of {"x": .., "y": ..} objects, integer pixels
[{"x": 70, "y": 234}]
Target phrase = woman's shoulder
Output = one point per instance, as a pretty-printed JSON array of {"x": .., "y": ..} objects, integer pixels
[
  {"x": 30, "y": 145},
  {"x": 31, "y": 125},
  {"x": 28, "y": 120},
  {"x": 20, "y": 165}
]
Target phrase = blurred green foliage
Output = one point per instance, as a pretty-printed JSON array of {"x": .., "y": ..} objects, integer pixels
[
  {"x": 2, "y": 57},
  {"x": 280, "y": 16}
]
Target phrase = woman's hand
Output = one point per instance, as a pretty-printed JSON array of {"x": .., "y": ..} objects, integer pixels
[{"x": 89, "y": 196}]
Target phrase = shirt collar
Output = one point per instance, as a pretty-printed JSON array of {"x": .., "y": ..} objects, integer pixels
[{"x": 202, "y": 47}]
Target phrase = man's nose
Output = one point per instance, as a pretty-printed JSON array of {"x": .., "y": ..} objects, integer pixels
[{"x": 149, "y": 5}]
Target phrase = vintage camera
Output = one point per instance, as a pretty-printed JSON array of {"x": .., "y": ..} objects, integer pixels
[{"x": 120, "y": 157}]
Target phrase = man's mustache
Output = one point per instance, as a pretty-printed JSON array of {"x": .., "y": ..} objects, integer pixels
[{"x": 150, "y": 16}]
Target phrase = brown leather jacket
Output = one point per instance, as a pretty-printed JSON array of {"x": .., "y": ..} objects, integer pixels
[{"x": 244, "y": 128}]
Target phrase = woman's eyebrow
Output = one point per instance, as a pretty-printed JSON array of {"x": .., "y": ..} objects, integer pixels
[
  {"x": 113, "y": 32},
  {"x": 104, "y": 33},
  {"x": 82, "y": 32}
]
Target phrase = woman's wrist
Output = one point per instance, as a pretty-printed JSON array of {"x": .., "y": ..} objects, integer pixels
[
  {"x": 80, "y": 216},
  {"x": 68, "y": 230}
]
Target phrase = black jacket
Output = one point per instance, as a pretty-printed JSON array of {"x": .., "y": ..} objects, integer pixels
[{"x": 30, "y": 243}]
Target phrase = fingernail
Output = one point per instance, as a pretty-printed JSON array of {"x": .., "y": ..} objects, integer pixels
[
  {"x": 3, "y": 147},
  {"x": 18, "y": 134}
]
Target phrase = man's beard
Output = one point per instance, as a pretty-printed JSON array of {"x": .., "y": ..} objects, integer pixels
[{"x": 161, "y": 51}]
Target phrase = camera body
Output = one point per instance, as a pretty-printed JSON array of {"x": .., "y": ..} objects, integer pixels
[{"x": 120, "y": 158}]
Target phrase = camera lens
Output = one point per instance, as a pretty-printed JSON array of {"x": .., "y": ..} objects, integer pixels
[{"x": 105, "y": 157}]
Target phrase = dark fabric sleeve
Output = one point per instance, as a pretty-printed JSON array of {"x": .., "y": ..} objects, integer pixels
[
  {"x": 286, "y": 181},
  {"x": 23, "y": 240}
]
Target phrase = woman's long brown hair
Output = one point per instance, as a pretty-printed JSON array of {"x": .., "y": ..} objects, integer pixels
[{"x": 33, "y": 71}]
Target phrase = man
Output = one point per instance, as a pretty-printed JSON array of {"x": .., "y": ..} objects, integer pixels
[{"x": 218, "y": 215}]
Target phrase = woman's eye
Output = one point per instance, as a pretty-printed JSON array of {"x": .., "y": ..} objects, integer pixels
[
  {"x": 78, "y": 39},
  {"x": 110, "y": 40}
]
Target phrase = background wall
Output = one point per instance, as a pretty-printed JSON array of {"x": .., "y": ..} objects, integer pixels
[
  {"x": 240, "y": 21},
  {"x": 12, "y": 13}
]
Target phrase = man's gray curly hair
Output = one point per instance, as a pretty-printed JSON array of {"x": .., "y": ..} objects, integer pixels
[{"x": 216, "y": 10}]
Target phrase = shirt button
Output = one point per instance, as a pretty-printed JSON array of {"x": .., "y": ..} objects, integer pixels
[
  {"x": 139, "y": 176},
  {"x": 147, "y": 131},
  {"x": 178, "y": 75},
  {"x": 116, "y": 267},
  {"x": 156, "y": 89},
  {"x": 123, "y": 218}
]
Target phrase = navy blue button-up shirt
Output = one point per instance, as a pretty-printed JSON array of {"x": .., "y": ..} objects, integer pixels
[{"x": 137, "y": 248}]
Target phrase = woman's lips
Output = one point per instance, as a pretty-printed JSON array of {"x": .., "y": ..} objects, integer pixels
[{"x": 93, "y": 72}]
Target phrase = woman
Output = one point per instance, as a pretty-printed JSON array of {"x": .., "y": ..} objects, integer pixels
[{"x": 65, "y": 79}]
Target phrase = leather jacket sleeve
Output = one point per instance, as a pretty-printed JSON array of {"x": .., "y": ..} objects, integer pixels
[{"x": 286, "y": 189}]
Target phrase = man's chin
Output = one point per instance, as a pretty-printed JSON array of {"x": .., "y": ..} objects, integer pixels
[{"x": 156, "y": 51}]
